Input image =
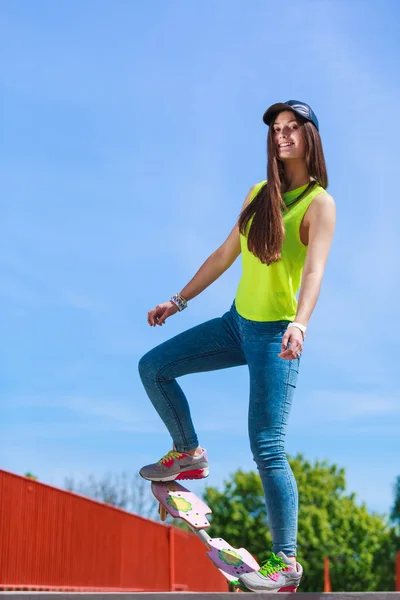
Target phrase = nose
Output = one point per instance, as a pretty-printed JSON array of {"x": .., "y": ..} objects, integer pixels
[{"x": 285, "y": 130}]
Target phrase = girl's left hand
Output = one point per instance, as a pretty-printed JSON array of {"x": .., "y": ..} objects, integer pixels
[{"x": 294, "y": 336}]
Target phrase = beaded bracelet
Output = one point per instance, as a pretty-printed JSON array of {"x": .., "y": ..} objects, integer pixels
[{"x": 179, "y": 301}]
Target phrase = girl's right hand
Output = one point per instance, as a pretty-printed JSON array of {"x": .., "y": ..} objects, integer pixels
[{"x": 159, "y": 314}]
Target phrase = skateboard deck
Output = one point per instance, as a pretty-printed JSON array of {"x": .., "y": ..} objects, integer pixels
[
  {"x": 180, "y": 503},
  {"x": 232, "y": 562}
]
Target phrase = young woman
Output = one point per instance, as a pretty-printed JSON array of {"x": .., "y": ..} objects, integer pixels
[{"x": 284, "y": 233}]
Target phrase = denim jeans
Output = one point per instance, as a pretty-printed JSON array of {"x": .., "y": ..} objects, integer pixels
[{"x": 220, "y": 343}]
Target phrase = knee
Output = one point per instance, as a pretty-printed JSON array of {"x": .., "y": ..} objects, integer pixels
[
  {"x": 151, "y": 365},
  {"x": 267, "y": 453},
  {"x": 146, "y": 366}
]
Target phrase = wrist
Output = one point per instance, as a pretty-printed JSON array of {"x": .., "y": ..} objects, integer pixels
[
  {"x": 300, "y": 326},
  {"x": 179, "y": 301}
]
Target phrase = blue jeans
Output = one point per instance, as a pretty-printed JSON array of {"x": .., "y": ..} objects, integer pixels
[{"x": 230, "y": 341}]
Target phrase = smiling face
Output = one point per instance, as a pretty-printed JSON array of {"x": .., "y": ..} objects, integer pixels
[{"x": 287, "y": 136}]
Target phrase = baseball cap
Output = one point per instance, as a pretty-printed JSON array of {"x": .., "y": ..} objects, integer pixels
[{"x": 301, "y": 108}]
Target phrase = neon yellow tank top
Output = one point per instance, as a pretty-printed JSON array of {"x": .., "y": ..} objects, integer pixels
[{"x": 268, "y": 293}]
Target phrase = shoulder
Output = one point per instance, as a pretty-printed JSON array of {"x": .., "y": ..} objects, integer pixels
[
  {"x": 259, "y": 184},
  {"x": 323, "y": 198},
  {"x": 321, "y": 201},
  {"x": 323, "y": 206},
  {"x": 252, "y": 193},
  {"x": 256, "y": 188}
]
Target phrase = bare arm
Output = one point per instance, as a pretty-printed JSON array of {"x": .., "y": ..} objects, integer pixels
[
  {"x": 322, "y": 219},
  {"x": 217, "y": 263}
]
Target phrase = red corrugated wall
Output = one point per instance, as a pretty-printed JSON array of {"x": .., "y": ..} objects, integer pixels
[{"x": 51, "y": 538}]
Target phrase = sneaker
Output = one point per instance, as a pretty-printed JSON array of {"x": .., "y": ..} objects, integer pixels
[
  {"x": 177, "y": 465},
  {"x": 277, "y": 574}
]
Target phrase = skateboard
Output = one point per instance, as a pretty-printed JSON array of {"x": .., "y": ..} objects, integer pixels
[{"x": 180, "y": 503}]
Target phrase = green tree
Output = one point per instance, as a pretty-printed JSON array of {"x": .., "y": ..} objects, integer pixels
[
  {"x": 395, "y": 513},
  {"x": 361, "y": 546}
]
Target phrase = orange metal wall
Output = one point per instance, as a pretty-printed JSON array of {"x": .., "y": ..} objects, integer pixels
[{"x": 51, "y": 538}]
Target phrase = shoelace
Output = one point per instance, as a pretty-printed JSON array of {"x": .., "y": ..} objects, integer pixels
[
  {"x": 171, "y": 454},
  {"x": 272, "y": 565}
]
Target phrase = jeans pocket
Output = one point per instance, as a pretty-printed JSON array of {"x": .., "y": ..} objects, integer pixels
[{"x": 269, "y": 328}]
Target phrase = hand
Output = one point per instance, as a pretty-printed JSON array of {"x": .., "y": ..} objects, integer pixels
[
  {"x": 294, "y": 336},
  {"x": 159, "y": 314}
]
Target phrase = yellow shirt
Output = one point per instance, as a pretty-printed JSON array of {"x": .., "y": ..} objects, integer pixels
[{"x": 268, "y": 292}]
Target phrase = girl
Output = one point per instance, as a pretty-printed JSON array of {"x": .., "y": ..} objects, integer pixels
[{"x": 284, "y": 233}]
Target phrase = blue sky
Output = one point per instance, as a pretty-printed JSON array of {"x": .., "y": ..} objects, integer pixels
[{"x": 131, "y": 134}]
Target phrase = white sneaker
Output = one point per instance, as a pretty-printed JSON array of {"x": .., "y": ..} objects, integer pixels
[
  {"x": 277, "y": 574},
  {"x": 176, "y": 466}
]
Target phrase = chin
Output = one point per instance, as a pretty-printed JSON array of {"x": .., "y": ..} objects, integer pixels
[{"x": 290, "y": 157}]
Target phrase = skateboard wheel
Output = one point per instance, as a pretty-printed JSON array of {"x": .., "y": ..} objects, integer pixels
[{"x": 162, "y": 512}]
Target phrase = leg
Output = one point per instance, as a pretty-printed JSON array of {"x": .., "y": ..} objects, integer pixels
[
  {"x": 212, "y": 345},
  {"x": 272, "y": 385}
]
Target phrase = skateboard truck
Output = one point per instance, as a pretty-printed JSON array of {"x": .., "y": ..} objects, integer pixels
[{"x": 180, "y": 503}]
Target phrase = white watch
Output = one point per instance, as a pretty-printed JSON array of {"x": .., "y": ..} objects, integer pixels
[{"x": 302, "y": 328}]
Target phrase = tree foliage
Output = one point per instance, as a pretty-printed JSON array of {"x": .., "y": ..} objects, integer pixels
[
  {"x": 361, "y": 546},
  {"x": 395, "y": 513}
]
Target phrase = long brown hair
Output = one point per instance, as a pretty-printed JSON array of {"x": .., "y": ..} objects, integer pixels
[{"x": 267, "y": 230}]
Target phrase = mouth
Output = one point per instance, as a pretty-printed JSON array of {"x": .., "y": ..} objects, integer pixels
[{"x": 285, "y": 145}]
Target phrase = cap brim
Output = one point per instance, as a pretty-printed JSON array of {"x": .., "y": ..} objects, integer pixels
[{"x": 273, "y": 110}]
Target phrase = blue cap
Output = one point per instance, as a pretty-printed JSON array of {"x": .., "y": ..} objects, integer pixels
[{"x": 301, "y": 108}]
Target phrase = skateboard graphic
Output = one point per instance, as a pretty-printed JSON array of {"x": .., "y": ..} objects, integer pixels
[{"x": 180, "y": 503}]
